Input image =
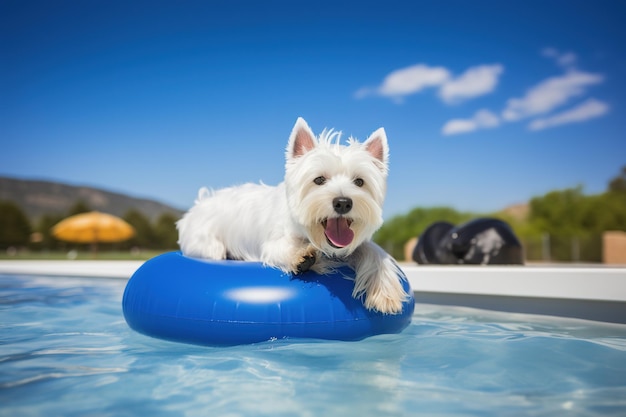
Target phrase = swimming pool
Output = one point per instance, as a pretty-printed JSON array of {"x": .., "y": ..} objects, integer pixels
[{"x": 67, "y": 351}]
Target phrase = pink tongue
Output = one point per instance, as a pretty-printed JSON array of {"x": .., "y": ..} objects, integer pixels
[{"x": 338, "y": 232}]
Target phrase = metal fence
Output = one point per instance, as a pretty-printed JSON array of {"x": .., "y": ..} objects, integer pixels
[{"x": 553, "y": 248}]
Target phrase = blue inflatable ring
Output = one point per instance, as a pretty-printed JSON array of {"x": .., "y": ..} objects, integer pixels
[{"x": 182, "y": 299}]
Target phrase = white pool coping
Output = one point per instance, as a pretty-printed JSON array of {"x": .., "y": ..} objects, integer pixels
[
  {"x": 590, "y": 292},
  {"x": 600, "y": 283},
  {"x": 95, "y": 268},
  {"x": 554, "y": 282}
]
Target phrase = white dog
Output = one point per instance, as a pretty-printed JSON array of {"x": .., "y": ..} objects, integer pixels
[{"x": 323, "y": 215}]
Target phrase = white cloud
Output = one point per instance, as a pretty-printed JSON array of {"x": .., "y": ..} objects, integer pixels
[
  {"x": 485, "y": 118},
  {"x": 550, "y": 94},
  {"x": 482, "y": 119},
  {"x": 566, "y": 59},
  {"x": 538, "y": 102},
  {"x": 363, "y": 92},
  {"x": 412, "y": 80},
  {"x": 456, "y": 126},
  {"x": 474, "y": 82},
  {"x": 590, "y": 109}
]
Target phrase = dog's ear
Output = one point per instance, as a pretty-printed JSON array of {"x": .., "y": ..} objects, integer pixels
[
  {"x": 376, "y": 145},
  {"x": 301, "y": 141}
]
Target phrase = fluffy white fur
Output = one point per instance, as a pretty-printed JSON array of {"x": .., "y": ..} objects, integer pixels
[{"x": 327, "y": 186}]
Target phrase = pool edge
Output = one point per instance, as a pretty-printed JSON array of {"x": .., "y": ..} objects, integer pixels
[{"x": 594, "y": 293}]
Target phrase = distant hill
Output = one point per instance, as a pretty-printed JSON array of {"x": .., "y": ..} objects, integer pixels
[{"x": 37, "y": 198}]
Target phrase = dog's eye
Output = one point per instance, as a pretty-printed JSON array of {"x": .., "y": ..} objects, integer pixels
[
  {"x": 359, "y": 182},
  {"x": 319, "y": 180}
]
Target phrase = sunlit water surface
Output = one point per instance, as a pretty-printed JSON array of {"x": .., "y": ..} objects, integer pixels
[{"x": 65, "y": 350}]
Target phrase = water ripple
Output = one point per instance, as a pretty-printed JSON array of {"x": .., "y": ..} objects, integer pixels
[{"x": 65, "y": 349}]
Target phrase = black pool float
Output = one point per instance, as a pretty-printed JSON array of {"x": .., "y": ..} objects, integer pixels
[{"x": 485, "y": 241}]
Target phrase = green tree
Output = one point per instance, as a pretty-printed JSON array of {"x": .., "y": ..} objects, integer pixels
[
  {"x": 560, "y": 212},
  {"x": 571, "y": 213},
  {"x": 618, "y": 184},
  {"x": 575, "y": 222},
  {"x": 144, "y": 235},
  {"x": 611, "y": 211},
  {"x": 614, "y": 202},
  {"x": 165, "y": 231},
  {"x": 393, "y": 235},
  {"x": 79, "y": 207},
  {"x": 15, "y": 228},
  {"x": 44, "y": 226}
]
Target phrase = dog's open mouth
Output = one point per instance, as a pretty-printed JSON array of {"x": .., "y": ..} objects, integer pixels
[{"x": 338, "y": 232}]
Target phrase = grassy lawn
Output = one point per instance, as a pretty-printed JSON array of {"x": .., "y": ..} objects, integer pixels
[{"x": 80, "y": 255}]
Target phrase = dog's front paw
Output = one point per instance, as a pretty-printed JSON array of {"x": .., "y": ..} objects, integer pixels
[
  {"x": 307, "y": 262},
  {"x": 304, "y": 260},
  {"x": 383, "y": 290},
  {"x": 384, "y": 302}
]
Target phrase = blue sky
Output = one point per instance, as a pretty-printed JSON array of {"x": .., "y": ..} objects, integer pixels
[{"x": 485, "y": 103}]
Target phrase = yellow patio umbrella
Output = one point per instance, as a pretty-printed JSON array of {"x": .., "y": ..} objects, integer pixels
[{"x": 93, "y": 227}]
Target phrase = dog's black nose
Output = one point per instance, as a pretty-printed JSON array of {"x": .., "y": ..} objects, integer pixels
[{"x": 342, "y": 205}]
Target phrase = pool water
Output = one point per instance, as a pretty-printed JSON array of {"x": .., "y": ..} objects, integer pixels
[{"x": 65, "y": 350}]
